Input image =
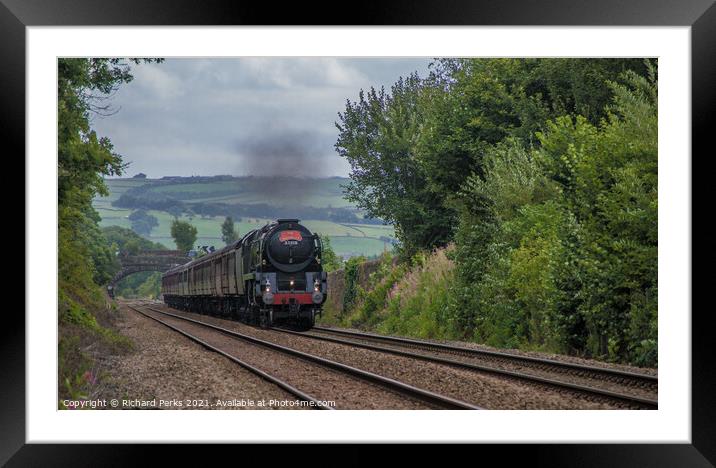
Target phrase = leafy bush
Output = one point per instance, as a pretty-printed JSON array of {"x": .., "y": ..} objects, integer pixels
[
  {"x": 351, "y": 282},
  {"x": 329, "y": 260},
  {"x": 557, "y": 246}
]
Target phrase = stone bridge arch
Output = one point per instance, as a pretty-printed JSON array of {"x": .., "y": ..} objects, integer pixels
[{"x": 147, "y": 260}]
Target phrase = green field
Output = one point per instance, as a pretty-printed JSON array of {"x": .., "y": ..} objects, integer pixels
[
  {"x": 347, "y": 239},
  {"x": 116, "y": 188},
  {"x": 319, "y": 192}
]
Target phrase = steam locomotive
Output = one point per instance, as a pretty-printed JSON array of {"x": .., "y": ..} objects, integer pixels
[{"x": 272, "y": 275}]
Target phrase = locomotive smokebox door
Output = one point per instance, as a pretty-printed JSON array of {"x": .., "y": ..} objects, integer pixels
[{"x": 290, "y": 247}]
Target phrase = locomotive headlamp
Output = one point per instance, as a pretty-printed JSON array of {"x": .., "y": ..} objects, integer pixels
[
  {"x": 316, "y": 286},
  {"x": 291, "y": 283},
  {"x": 268, "y": 286},
  {"x": 268, "y": 298}
]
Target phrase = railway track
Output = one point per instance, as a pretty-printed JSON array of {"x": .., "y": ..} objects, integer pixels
[
  {"x": 314, "y": 402},
  {"x": 425, "y": 397},
  {"x": 503, "y": 364},
  {"x": 590, "y": 383}
]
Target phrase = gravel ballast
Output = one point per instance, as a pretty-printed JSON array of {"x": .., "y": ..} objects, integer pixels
[
  {"x": 536, "y": 354},
  {"x": 580, "y": 377},
  {"x": 322, "y": 383},
  {"x": 167, "y": 367},
  {"x": 485, "y": 390}
]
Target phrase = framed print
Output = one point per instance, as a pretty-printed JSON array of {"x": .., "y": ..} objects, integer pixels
[{"x": 442, "y": 207}]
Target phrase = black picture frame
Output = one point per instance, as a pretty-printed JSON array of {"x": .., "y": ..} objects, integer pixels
[{"x": 700, "y": 15}]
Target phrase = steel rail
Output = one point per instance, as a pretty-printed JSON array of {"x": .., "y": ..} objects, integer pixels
[
  {"x": 403, "y": 388},
  {"x": 631, "y": 399},
  {"x": 315, "y": 403},
  {"x": 646, "y": 378}
]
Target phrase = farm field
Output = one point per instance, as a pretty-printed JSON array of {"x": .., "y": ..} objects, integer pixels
[
  {"x": 275, "y": 192},
  {"x": 346, "y": 239},
  {"x": 116, "y": 188}
]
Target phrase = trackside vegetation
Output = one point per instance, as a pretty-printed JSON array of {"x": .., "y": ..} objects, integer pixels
[
  {"x": 86, "y": 260},
  {"x": 524, "y": 195}
]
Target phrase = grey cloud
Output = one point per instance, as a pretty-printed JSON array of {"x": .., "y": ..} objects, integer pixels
[{"x": 223, "y": 116}]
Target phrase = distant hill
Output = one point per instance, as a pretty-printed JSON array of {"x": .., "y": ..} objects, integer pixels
[
  {"x": 239, "y": 197},
  {"x": 251, "y": 201}
]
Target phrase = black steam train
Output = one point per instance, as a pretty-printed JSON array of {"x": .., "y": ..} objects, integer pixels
[{"x": 272, "y": 275}]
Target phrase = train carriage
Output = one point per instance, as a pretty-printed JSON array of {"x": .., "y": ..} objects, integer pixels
[{"x": 272, "y": 275}]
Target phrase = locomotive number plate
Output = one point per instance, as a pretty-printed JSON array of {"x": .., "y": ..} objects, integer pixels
[{"x": 285, "y": 236}]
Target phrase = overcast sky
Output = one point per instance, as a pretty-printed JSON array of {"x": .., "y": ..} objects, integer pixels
[{"x": 247, "y": 116}]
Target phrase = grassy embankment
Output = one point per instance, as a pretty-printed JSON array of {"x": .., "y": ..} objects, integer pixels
[
  {"x": 414, "y": 299},
  {"x": 395, "y": 298},
  {"x": 86, "y": 333}
]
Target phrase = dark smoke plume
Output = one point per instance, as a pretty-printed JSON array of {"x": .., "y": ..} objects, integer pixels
[
  {"x": 280, "y": 156},
  {"x": 280, "y": 153}
]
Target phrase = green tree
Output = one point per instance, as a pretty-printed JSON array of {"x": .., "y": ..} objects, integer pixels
[
  {"x": 476, "y": 103},
  {"x": 120, "y": 237},
  {"x": 151, "y": 287},
  {"x": 184, "y": 235},
  {"x": 413, "y": 147},
  {"x": 228, "y": 233},
  {"x": 544, "y": 174},
  {"x": 568, "y": 86},
  {"x": 557, "y": 246},
  {"x": 471, "y": 106},
  {"x": 329, "y": 260},
  {"x": 142, "y": 222},
  {"x": 83, "y": 157},
  {"x": 609, "y": 178},
  {"x": 377, "y": 136},
  {"x": 85, "y": 259}
]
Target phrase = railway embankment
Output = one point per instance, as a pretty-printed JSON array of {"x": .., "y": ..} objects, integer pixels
[
  {"x": 337, "y": 282},
  {"x": 388, "y": 296},
  {"x": 87, "y": 337},
  {"x": 416, "y": 300}
]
